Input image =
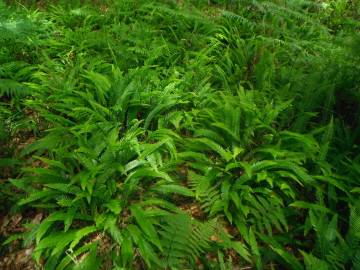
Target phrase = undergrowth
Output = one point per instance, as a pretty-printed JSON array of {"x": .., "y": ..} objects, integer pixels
[{"x": 182, "y": 134}]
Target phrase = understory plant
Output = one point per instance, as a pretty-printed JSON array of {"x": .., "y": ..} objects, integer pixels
[{"x": 182, "y": 134}]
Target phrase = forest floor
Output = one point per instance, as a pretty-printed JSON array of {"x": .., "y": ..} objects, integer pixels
[{"x": 188, "y": 134}]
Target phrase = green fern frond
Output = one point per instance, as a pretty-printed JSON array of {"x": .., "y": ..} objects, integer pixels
[{"x": 184, "y": 239}]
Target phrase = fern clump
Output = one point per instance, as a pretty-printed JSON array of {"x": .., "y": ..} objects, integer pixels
[{"x": 181, "y": 134}]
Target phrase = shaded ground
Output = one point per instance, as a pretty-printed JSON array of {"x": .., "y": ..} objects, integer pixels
[{"x": 14, "y": 256}]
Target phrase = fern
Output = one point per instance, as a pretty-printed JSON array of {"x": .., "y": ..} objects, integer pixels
[
  {"x": 184, "y": 239},
  {"x": 182, "y": 134}
]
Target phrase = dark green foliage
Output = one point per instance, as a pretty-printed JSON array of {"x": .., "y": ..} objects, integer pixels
[{"x": 183, "y": 134}]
